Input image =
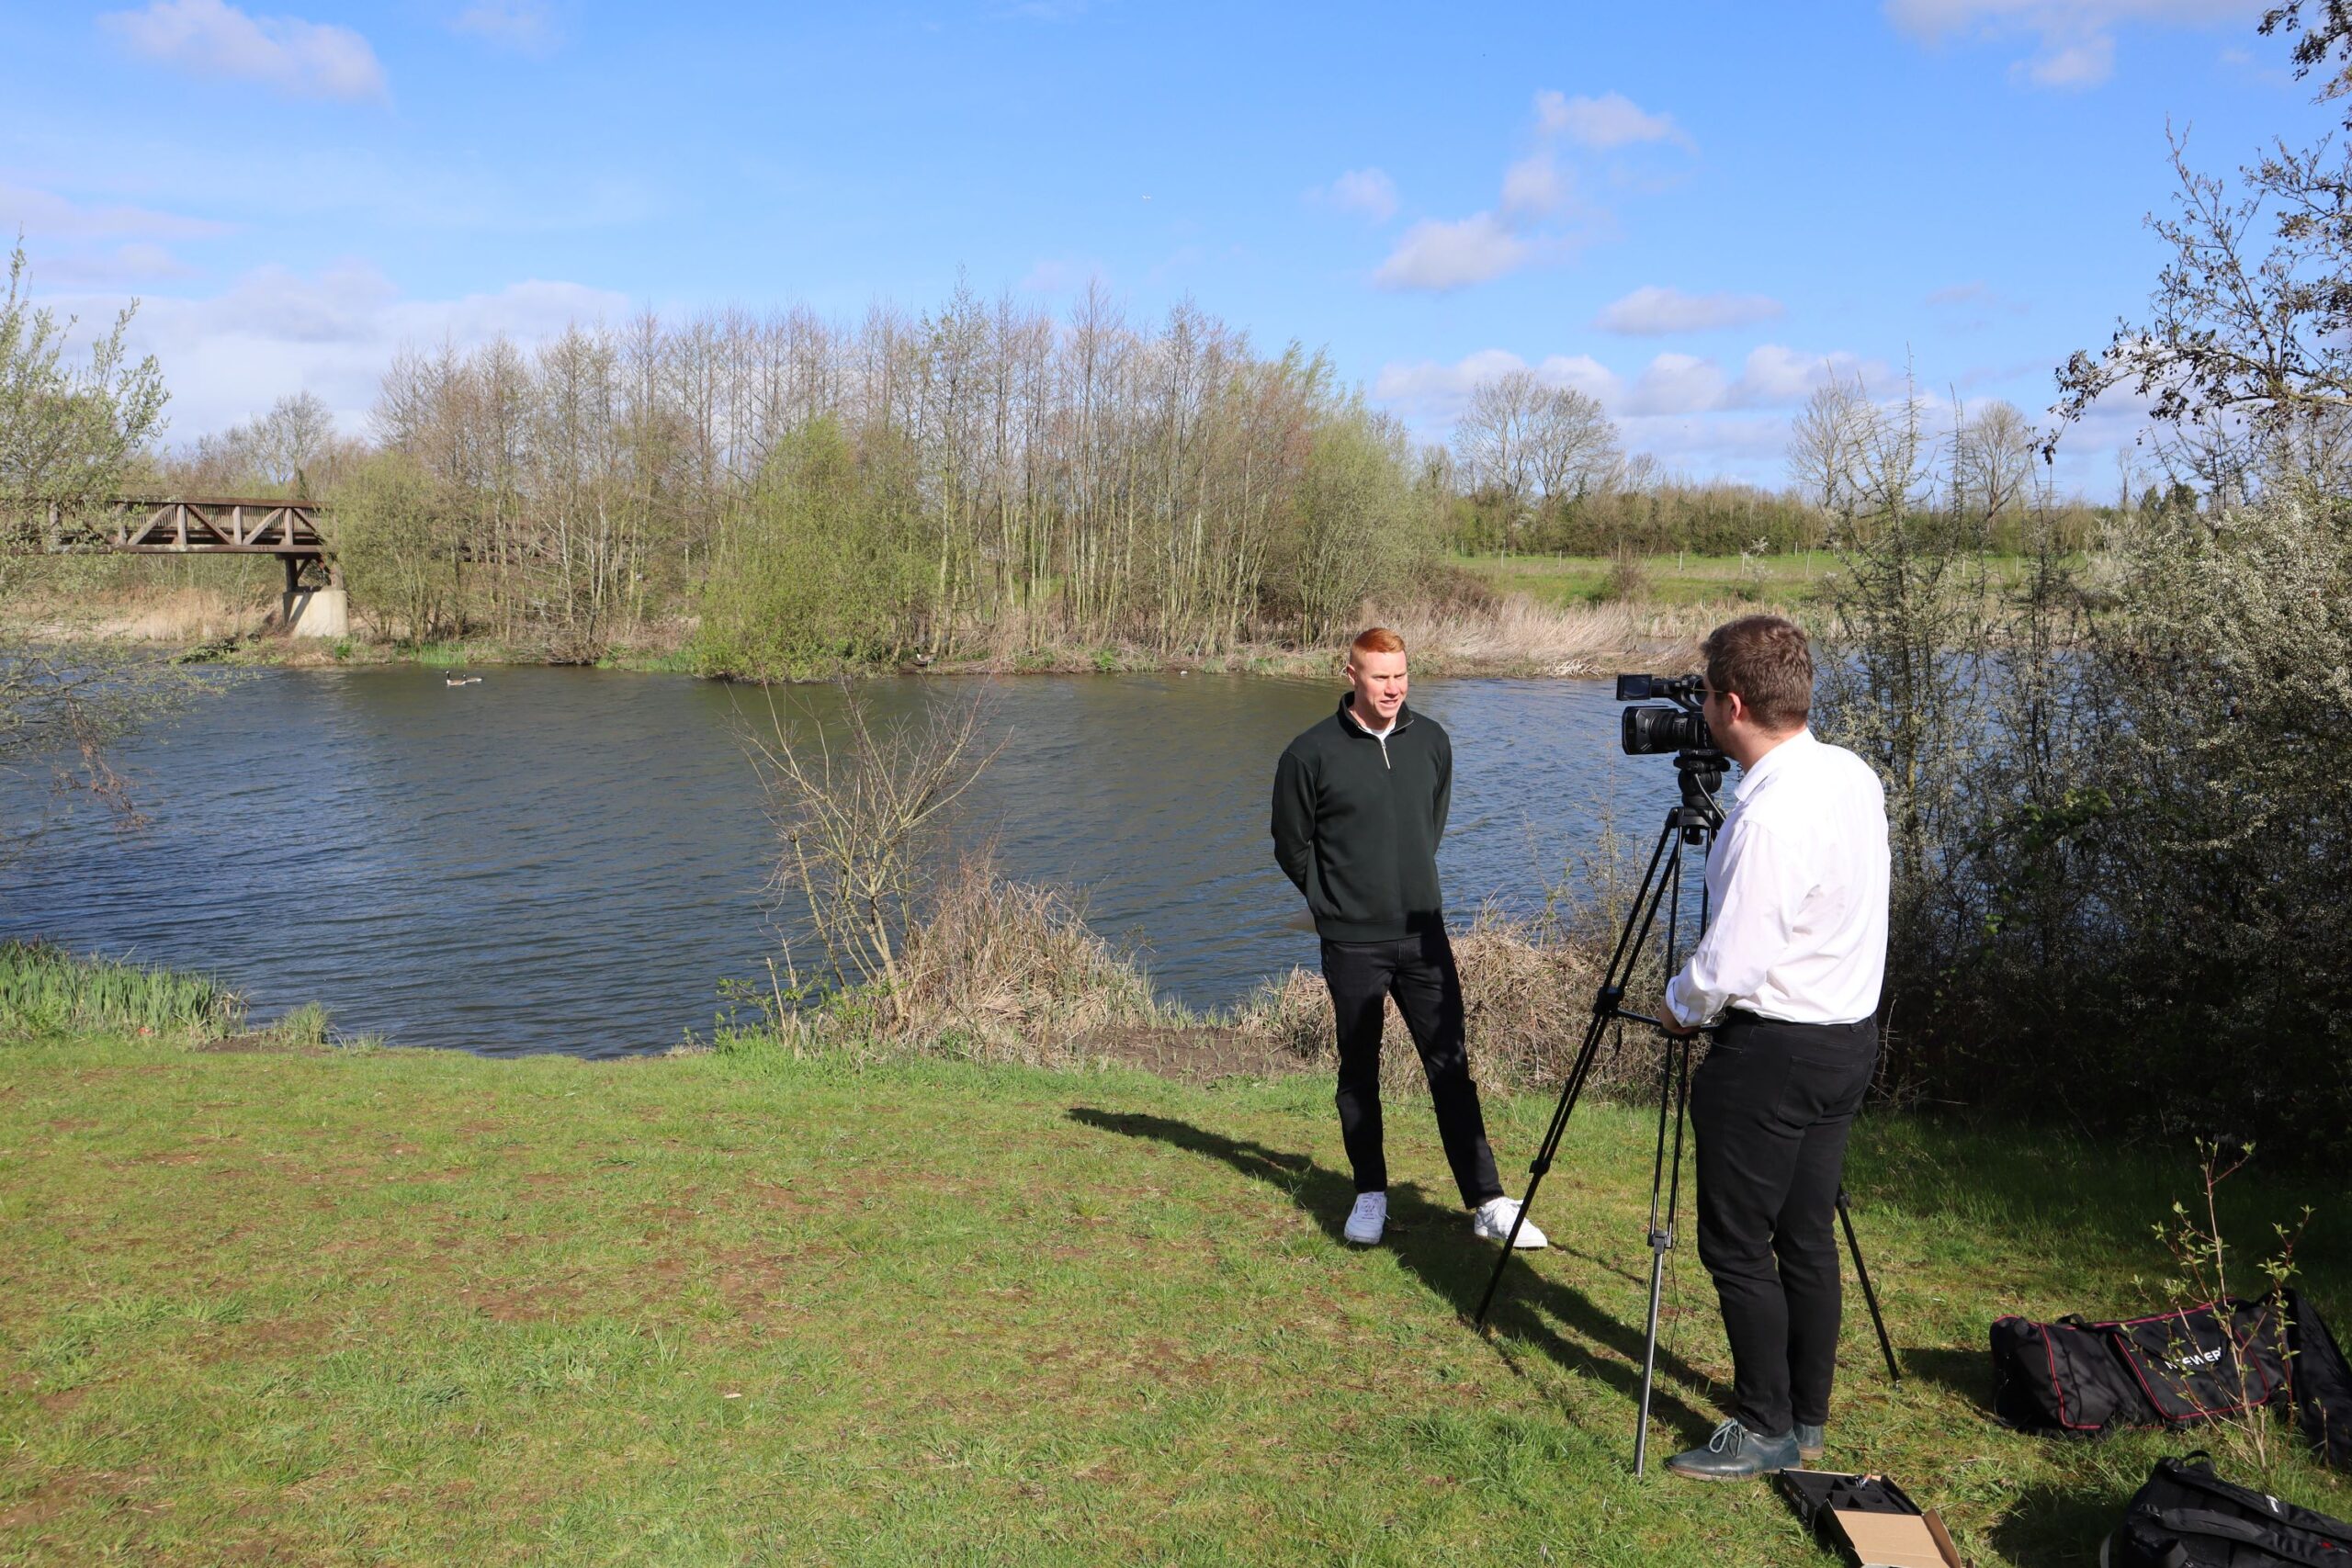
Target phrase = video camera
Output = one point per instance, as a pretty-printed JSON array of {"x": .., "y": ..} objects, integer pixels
[
  {"x": 1654, "y": 730},
  {"x": 1676, "y": 726}
]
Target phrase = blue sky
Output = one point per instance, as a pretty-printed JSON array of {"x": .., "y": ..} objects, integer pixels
[{"x": 1692, "y": 211}]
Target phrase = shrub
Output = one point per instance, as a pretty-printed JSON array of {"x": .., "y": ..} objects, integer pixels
[{"x": 44, "y": 990}]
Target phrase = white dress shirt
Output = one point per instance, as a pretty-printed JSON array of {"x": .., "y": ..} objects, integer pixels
[{"x": 1798, "y": 882}]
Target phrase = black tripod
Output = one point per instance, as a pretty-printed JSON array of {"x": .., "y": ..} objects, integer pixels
[{"x": 1691, "y": 825}]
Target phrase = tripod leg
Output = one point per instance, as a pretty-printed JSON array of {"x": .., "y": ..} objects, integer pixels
[
  {"x": 1543, "y": 1153},
  {"x": 1638, "y": 921},
  {"x": 1870, "y": 1296},
  {"x": 1676, "y": 1087}
]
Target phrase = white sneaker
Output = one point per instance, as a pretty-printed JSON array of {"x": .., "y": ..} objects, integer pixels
[
  {"x": 1492, "y": 1222},
  {"x": 1367, "y": 1219}
]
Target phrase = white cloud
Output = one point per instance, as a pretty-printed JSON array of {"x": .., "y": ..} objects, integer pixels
[
  {"x": 1368, "y": 191},
  {"x": 524, "y": 26},
  {"x": 1061, "y": 275},
  {"x": 1753, "y": 447},
  {"x": 1678, "y": 383},
  {"x": 1537, "y": 218},
  {"x": 1535, "y": 185},
  {"x": 305, "y": 59},
  {"x": 1432, "y": 395},
  {"x": 2073, "y": 41},
  {"x": 1776, "y": 376},
  {"x": 1671, "y": 385},
  {"x": 122, "y": 266},
  {"x": 1612, "y": 119},
  {"x": 1439, "y": 256},
  {"x": 1652, "y": 310},
  {"x": 1772, "y": 377},
  {"x": 44, "y": 215},
  {"x": 228, "y": 355}
]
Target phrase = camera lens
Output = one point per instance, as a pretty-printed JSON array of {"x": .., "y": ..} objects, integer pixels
[{"x": 1652, "y": 730}]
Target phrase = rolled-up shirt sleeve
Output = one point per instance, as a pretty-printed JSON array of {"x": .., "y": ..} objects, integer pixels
[{"x": 1758, "y": 884}]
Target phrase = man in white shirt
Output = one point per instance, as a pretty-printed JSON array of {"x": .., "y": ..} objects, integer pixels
[{"x": 1789, "y": 974}]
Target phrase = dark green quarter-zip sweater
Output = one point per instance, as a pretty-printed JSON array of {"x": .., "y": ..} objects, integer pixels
[{"x": 1357, "y": 820}]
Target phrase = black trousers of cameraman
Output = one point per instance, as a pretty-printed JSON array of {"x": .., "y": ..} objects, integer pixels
[
  {"x": 1770, "y": 1106},
  {"x": 1419, "y": 972}
]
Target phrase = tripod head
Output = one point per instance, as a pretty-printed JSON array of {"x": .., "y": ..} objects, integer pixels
[{"x": 1701, "y": 773}]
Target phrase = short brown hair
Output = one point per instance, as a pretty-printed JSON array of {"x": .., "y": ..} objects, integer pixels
[
  {"x": 1377, "y": 639},
  {"x": 1765, "y": 659}
]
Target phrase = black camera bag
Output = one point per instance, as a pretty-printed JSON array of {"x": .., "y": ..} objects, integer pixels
[
  {"x": 2322, "y": 1383},
  {"x": 2185, "y": 1516},
  {"x": 2080, "y": 1379},
  {"x": 2063, "y": 1379}
]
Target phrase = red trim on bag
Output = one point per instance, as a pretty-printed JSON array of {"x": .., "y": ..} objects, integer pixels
[{"x": 2050, "y": 1358}]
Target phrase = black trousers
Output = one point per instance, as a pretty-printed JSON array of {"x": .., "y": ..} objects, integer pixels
[
  {"x": 1770, "y": 1107},
  {"x": 1419, "y": 972}
]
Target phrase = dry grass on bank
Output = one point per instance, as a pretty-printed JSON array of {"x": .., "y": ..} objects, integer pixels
[
  {"x": 1460, "y": 626},
  {"x": 1527, "y": 994},
  {"x": 169, "y": 616},
  {"x": 995, "y": 971},
  {"x": 1450, "y": 634},
  {"x": 1012, "y": 969},
  {"x": 1008, "y": 972}
]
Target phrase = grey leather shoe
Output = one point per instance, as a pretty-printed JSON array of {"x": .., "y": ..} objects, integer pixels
[
  {"x": 1810, "y": 1440},
  {"x": 1735, "y": 1453}
]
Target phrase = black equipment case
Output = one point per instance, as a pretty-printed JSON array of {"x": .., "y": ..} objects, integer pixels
[
  {"x": 2073, "y": 1378},
  {"x": 2080, "y": 1379},
  {"x": 2185, "y": 1516}
]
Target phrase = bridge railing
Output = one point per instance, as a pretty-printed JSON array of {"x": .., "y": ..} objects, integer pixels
[{"x": 271, "y": 525}]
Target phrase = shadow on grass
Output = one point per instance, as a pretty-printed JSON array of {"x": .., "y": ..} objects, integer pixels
[
  {"x": 2059, "y": 1526},
  {"x": 2066, "y": 1195},
  {"x": 1434, "y": 1243},
  {"x": 1968, "y": 1373}
]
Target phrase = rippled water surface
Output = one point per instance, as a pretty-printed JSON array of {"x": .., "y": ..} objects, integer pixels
[{"x": 569, "y": 859}]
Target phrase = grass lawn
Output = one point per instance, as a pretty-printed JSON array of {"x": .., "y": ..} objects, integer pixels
[
  {"x": 407, "y": 1307},
  {"x": 1677, "y": 579}
]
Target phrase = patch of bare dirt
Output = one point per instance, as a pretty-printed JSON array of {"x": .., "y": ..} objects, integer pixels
[
  {"x": 255, "y": 1042},
  {"x": 266, "y": 1338},
  {"x": 529, "y": 1305},
  {"x": 48, "y": 1500},
  {"x": 1193, "y": 1055}
]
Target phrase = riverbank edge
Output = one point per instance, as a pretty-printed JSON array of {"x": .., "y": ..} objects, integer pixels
[
  {"x": 1516, "y": 636},
  {"x": 272, "y": 650}
]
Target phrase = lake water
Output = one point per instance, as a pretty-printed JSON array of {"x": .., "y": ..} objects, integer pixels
[{"x": 570, "y": 860}]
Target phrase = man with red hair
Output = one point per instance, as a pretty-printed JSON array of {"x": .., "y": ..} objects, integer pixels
[{"x": 1360, "y": 805}]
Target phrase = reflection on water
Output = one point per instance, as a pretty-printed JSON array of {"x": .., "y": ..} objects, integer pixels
[{"x": 568, "y": 860}]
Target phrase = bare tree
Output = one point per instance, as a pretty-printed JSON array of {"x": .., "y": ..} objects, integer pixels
[
  {"x": 1522, "y": 444},
  {"x": 1992, "y": 465},
  {"x": 1576, "y": 445},
  {"x": 1496, "y": 436},
  {"x": 1826, "y": 445},
  {"x": 858, "y": 814},
  {"x": 67, "y": 434},
  {"x": 2248, "y": 332},
  {"x": 66, "y": 439}
]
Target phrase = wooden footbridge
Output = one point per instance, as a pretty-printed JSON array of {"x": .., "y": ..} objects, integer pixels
[{"x": 204, "y": 526}]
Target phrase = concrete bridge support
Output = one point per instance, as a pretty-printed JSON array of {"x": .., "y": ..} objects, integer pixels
[
  {"x": 315, "y": 612},
  {"x": 310, "y": 610}
]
